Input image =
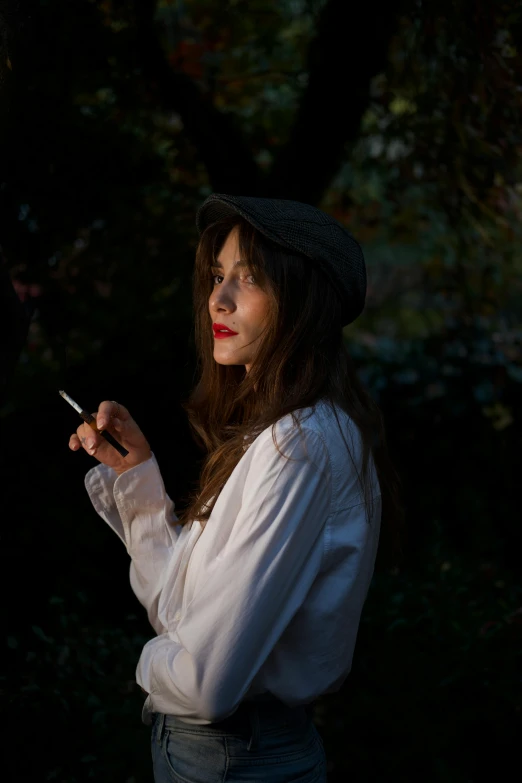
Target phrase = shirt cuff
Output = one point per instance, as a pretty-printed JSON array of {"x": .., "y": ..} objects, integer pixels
[
  {"x": 163, "y": 667},
  {"x": 99, "y": 483},
  {"x": 119, "y": 499}
]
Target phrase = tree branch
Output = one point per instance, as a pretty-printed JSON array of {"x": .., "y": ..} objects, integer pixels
[
  {"x": 228, "y": 159},
  {"x": 350, "y": 48}
]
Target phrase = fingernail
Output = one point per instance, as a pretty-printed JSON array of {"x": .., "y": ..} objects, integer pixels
[
  {"x": 90, "y": 444},
  {"x": 116, "y": 423},
  {"x": 102, "y": 423}
]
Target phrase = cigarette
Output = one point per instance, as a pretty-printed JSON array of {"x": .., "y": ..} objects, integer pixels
[{"x": 91, "y": 421}]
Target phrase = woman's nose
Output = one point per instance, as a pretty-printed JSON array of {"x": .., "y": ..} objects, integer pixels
[{"x": 222, "y": 298}]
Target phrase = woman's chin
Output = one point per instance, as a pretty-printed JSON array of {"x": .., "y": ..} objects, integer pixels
[{"x": 226, "y": 360}]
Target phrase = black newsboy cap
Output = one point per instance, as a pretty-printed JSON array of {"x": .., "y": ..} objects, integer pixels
[{"x": 303, "y": 229}]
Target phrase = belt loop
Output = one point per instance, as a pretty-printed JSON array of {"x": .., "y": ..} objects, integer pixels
[
  {"x": 253, "y": 715},
  {"x": 160, "y": 718}
]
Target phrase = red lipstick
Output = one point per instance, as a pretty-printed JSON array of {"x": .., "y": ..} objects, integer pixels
[{"x": 220, "y": 331}]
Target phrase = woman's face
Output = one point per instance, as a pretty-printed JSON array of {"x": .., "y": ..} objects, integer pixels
[{"x": 237, "y": 302}]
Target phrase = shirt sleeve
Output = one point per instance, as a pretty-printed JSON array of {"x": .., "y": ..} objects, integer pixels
[
  {"x": 253, "y": 588},
  {"x": 137, "y": 507}
]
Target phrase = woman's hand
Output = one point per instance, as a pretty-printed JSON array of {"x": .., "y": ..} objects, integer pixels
[{"x": 116, "y": 419}]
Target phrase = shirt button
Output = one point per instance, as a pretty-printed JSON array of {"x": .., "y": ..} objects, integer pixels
[{"x": 177, "y": 615}]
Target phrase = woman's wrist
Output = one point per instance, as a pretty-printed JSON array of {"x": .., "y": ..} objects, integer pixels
[{"x": 134, "y": 465}]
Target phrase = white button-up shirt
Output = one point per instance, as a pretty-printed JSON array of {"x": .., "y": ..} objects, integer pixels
[{"x": 268, "y": 595}]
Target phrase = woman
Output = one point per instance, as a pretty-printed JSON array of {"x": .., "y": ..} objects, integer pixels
[{"x": 261, "y": 617}]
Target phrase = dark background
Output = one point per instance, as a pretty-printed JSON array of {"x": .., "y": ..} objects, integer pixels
[{"x": 116, "y": 120}]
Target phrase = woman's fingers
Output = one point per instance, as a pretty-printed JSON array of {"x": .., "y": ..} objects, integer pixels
[
  {"x": 116, "y": 418},
  {"x": 108, "y": 411},
  {"x": 86, "y": 438},
  {"x": 78, "y": 440}
]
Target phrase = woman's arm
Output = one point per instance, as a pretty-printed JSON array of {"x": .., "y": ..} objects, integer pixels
[
  {"x": 137, "y": 507},
  {"x": 251, "y": 591}
]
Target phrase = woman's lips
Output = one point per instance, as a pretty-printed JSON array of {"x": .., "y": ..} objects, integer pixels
[
  {"x": 222, "y": 330},
  {"x": 220, "y": 335}
]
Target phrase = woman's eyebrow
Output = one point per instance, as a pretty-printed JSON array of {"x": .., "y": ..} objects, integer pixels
[{"x": 217, "y": 263}]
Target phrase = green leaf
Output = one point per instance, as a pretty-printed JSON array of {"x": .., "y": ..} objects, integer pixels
[{"x": 41, "y": 635}]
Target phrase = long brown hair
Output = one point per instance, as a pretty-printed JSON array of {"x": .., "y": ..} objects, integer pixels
[{"x": 301, "y": 360}]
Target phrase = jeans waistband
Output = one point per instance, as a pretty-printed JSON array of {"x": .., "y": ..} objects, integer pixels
[
  {"x": 265, "y": 705},
  {"x": 248, "y": 717}
]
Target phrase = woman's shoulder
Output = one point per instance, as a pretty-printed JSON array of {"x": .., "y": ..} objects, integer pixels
[{"x": 322, "y": 419}]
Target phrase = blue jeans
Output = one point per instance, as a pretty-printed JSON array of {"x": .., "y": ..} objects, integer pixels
[{"x": 262, "y": 742}]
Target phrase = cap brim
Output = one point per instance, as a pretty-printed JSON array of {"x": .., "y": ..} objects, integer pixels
[
  {"x": 211, "y": 211},
  {"x": 218, "y": 206}
]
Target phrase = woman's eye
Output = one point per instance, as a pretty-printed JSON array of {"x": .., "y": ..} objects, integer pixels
[{"x": 251, "y": 278}]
